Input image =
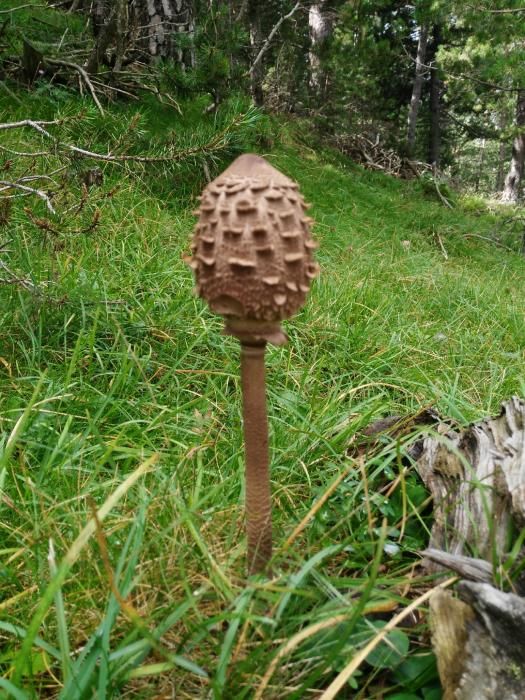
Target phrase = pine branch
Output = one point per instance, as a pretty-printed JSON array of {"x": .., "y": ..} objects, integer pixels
[{"x": 218, "y": 142}]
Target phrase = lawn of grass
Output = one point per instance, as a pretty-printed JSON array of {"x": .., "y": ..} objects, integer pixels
[{"x": 115, "y": 373}]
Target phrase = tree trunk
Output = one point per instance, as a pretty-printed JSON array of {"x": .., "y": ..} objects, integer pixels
[
  {"x": 502, "y": 153},
  {"x": 152, "y": 25},
  {"x": 256, "y": 43},
  {"x": 481, "y": 165},
  {"x": 320, "y": 29},
  {"x": 121, "y": 27},
  {"x": 164, "y": 20},
  {"x": 103, "y": 23},
  {"x": 416, "y": 90},
  {"x": 512, "y": 188},
  {"x": 435, "y": 104}
]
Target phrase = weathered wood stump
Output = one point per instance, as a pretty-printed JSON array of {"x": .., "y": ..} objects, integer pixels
[
  {"x": 477, "y": 480},
  {"x": 476, "y": 477}
]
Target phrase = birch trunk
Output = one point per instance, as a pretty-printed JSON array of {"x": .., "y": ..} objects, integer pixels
[{"x": 320, "y": 29}]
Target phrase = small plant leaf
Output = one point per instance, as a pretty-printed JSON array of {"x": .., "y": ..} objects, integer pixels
[{"x": 390, "y": 652}]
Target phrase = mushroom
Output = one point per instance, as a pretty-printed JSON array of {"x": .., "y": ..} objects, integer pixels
[{"x": 253, "y": 263}]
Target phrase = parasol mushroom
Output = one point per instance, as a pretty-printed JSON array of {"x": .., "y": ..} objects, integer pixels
[{"x": 252, "y": 255}]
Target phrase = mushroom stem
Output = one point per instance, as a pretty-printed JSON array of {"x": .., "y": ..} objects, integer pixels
[{"x": 258, "y": 497}]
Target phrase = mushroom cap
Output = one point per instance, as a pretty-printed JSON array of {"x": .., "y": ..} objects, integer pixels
[{"x": 252, "y": 251}]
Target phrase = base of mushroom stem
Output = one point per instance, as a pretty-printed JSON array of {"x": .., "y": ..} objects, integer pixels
[
  {"x": 260, "y": 549},
  {"x": 255, "y": 332}
]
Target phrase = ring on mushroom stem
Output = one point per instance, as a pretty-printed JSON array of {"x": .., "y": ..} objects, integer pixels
[{"x": 252, "y": 255}]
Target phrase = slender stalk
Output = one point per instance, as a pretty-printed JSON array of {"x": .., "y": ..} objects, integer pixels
[{"x": 258, "y": 497}]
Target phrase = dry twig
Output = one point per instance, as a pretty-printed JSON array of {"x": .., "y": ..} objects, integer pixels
[
  {"x": 83, "y": 74},
  {"x": 271, "y": 35},
  {"x": 374, "y": 156},
  {"x": 11, "y": 277},
  {"x": 21, "y": 7},
  {"x": 25, "y": 189}
]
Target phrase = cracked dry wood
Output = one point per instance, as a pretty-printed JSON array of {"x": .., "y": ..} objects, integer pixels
[
  {"x": 477, "y": 480},
  {"x": 479, "y": 643},
  {"x": 448, "y": 622},
  {"x": 476, "y": 477}
]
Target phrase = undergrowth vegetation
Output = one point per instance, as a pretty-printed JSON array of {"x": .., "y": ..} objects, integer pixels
[{"x": 118, "y": 392}]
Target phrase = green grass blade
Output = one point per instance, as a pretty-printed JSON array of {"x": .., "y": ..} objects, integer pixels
[
  {"x": 223, "y": 661},
  {"x": 69, "y": 559},
  {"x": 20, "y": 633},
  {"x": 12, "y": 690},
  {"x": 297, "y": 579},
  {"x": 63, "y": 637}
]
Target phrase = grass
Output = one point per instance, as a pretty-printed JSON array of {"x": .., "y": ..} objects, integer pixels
[{"x": 119, "y": 393}]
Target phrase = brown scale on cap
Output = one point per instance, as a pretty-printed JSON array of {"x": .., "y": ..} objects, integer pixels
[{"x": 252, "y": 247}]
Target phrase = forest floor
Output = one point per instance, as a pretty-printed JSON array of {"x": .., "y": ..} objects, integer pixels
[{"x": 118, "y": 391}]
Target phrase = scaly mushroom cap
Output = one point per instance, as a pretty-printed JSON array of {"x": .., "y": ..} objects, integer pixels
[{"x": 252, "y": 248}]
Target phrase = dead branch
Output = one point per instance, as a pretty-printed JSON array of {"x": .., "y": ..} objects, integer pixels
[
  {"x": 506, "y": 11},
  {"x": 82, "y": 73},
  {"x": 21, "y": 7},
  {"x": 114, "y": 89},
  {"x": 25, "y": 154},
  {"x": 441, "y": 245},
  {"x": 472, "y": 569},
  {"x": 28, "y": 122},
  {"x": 11, "y": 94},
  {"x": 74, "y": 6},
  {"x": 242, "y": 11},
  {"x": 371, "y": 154},
  {"x": 33, "y": 178},
  {"x": 489, "y": 240},
  {"x": 163, "y": 98},
  {"x": 275, "y": 29},
  {"x": 11, "y": 278},
  {"x": 441, "y": 196},
  {"x": 17, "y": 185}
]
